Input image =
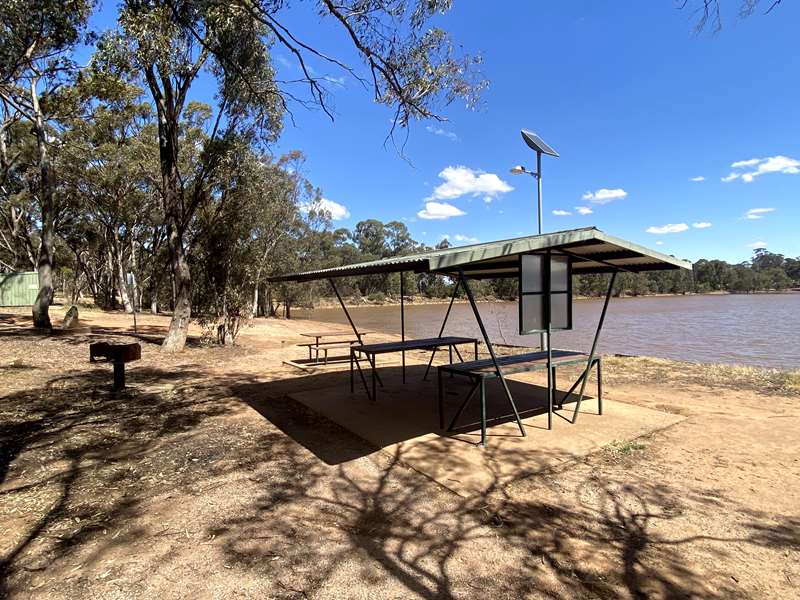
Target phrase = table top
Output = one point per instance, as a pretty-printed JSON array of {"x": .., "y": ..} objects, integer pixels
[
  {"x": 320, "y": 334},
  {"x": 420, "y": 344},
  {"x": 517, "y": 363}
]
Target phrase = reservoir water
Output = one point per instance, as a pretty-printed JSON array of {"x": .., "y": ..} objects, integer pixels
[{"x": 750, "y": 329}]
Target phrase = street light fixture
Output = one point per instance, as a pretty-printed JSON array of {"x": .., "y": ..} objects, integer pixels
[{"x": 536, "y": 143}]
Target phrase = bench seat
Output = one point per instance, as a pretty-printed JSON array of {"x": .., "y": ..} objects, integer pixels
[{"x": 517, "y": 363}]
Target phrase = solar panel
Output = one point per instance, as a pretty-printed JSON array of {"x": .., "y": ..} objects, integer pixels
[{"x": 537, "y": 143}]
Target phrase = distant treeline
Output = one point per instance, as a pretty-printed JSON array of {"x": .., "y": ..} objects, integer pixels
[{"x": 371, "y": 240}]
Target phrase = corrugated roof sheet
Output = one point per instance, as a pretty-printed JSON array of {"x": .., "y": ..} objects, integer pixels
[{"x": 592, "y": 251}]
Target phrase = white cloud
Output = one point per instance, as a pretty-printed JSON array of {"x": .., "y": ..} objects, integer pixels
[
  {"x": 668, "y": 228},
  {"x": 465, "y": 238},
  {"x": 755, "y": 245},
  {"x": 461, "y": 181},
  {"x": 443, "y": 132},
  {"x": 659, "y": 243},
  {"x": 284, "y": 61},
  {"x": 740, "y": 164},
  {"x": 335, "y": 80},
  {"x": 336, "y": 210},
  {"x": 701, "y": 225},
  {"x": 604, "y": 195},
  {"x": 561, "y": 213},
  {"x": 439, "y": 210},
  {"x": 757, "y": 213},
  {"x": 698, "y": 178},
  {"x": 584, "y": 210},
  {"x": 771, "y": 164}
]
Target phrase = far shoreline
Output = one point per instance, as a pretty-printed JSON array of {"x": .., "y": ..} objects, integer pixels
[{"x": 329, "y": 303}]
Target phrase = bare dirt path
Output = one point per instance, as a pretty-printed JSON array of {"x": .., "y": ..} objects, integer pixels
[{"x": 204, "y": 481}]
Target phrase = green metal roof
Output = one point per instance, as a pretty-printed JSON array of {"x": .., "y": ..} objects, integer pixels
[{"x": 592, "y": 251}]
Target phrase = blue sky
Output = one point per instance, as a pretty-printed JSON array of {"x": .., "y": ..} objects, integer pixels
[{"x": 635, "y": 103}]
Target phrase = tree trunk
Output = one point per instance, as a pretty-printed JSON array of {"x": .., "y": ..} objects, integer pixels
[
  {"x": 254, "y": 309},
  {"x": 44, "y": 265},
  {"x": 136, "y": 291},
  {"x": 182, "y": 313},
  {"x": 119, "y": 270},
  {"x": 41, "y": 307}
]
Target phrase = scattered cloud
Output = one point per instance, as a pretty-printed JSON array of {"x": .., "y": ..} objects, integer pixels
[
  {"x": 465, "y": 238},
  {"x": 336, "y": 210},
  {"x": 659, "y": 243},
  {"x": 701, "y": 225},
  {"x": 443, "y": 132},
  {"x": 439, "y": 210},
  {"x": 462, "y": 181},
  {"x": 755, "y": 245},
  {"x": 283, "y": 61},
  {"x": 604, "y": 195},
  {"x": 761, "y": 166},
  {"x": 335, "y": 80},
  {"x": 584, "y": 210},
  {"x": 741, "y": 164},
  {"x": 757, "y": 213},
  {"x": 668, "y": 228},
  {"x": 561, "y": 213},
  {"x": 458, "y": 237},
  {"x": 698, "y": 178}
]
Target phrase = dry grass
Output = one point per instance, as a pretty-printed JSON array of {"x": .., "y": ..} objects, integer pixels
[{"x": 643, "y": 370}]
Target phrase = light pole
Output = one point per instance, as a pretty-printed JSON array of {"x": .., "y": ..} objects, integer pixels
[{"x": 536, "y": 143}]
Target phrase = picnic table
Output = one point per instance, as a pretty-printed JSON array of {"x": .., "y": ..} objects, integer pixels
[
  {"x": 317, "y": 345},
  {"x": 478, "y": 371},
  {"x": 371, "y": 350}
]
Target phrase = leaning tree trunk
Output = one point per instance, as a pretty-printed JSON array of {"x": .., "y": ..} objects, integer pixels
[
  {"x": 44, "y": 268},
  {"x": 44, "y": 264}
]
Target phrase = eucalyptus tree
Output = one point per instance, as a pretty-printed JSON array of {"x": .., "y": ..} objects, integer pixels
[
  {"x": 254, "y": 205},
  {"x": 410, "y": 67},
  {"x": 108, "y": 166},
  {"x": 36, "y": 40}
]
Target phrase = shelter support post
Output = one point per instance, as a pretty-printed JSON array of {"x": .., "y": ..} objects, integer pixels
[
  {"x": 547, "y": 341},
  {"x": 498, "y": 370},
  {"x": 346, "y": 312},
  {"x": 403, "y": 322},
  {"x": 441, "y": 330},
  {"x": 360, "y": 341},
  {"x": 594, "y": 347}
]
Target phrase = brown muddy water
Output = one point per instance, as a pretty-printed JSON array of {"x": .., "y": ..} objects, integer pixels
[{"x": 754, "y": 329}]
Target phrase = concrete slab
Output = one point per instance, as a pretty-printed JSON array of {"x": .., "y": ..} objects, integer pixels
[{"x": 404, "y": 422}]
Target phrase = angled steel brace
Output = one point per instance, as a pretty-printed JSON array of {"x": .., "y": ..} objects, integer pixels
[
  {"x": 464, "y": 405},
  {"x": 358, "y": 336},
  {"x": 441, "y": 330},
  {"x": 594, "y": 346},
  {"x": 499, "y": 371}
]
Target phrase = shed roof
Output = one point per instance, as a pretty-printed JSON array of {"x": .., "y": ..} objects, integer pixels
[{"x": 591, "y": 250}]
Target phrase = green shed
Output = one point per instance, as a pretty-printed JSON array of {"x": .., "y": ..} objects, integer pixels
[{"x": 18, "y": 289}]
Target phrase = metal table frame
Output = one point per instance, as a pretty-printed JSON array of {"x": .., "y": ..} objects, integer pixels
[
  {"x": 519, "y": 363},
  {"x": 371, "y": 350}
]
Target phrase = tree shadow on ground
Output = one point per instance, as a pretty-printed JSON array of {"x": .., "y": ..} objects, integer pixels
[{"x": 88, "y": 463}]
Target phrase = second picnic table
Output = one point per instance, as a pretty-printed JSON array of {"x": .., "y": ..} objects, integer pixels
[{"x": 318, "y": 345}]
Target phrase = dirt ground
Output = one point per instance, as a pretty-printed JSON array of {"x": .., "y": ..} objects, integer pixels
[{"x": 203, "y": 480}]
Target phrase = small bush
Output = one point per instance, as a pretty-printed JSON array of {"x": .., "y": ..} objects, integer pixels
[{"x": 377, "y": 297}]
